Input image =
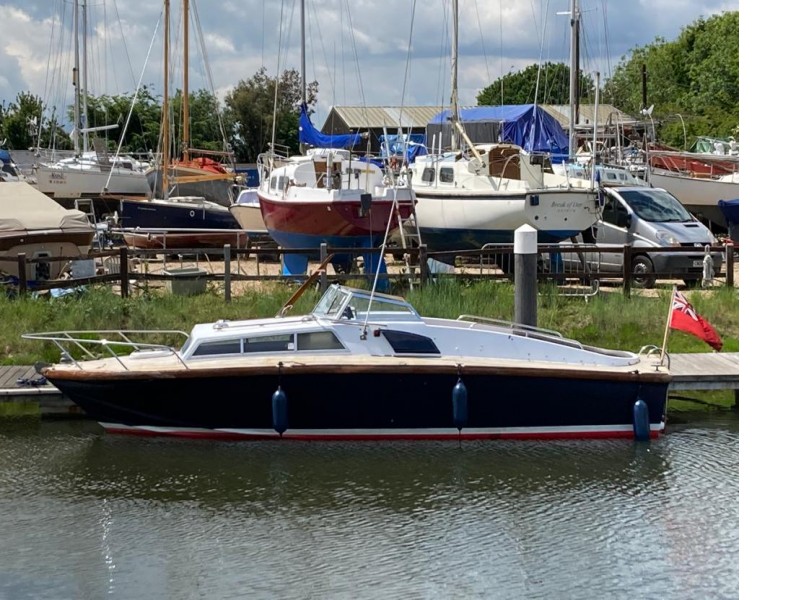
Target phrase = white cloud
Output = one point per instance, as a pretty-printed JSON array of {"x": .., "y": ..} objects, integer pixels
[{"x": 241, "y": 36}]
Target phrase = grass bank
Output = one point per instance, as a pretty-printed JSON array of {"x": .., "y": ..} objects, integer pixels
[{"x": 608, "y": 320}]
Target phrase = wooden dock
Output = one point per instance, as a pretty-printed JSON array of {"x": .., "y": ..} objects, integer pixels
[{"x": 697, "y": 372}]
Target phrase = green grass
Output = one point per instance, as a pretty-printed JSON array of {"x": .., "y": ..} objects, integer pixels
[{"x": 608, "y": 320}]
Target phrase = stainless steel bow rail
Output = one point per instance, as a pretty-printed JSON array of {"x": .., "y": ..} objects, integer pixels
[
  {"x": 109, "y": 343},
  {"x": 549, "y": 335}
]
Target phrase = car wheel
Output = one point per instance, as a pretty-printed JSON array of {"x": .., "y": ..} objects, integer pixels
[{"x": 642, "y": 269}]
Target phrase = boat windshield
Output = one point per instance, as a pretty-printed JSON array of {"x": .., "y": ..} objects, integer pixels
[
  {"x": 330, "y": 303},
  {"x": 355, "y": 304}
]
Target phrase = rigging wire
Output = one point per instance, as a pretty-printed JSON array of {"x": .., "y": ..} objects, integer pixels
[
  {"x": 207, "y": 64},
  {"x": 275, "y": 99},
  {"x": 136, "y": 94}
]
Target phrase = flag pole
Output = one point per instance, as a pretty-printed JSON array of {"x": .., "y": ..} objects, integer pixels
[{"x": 669, "y": 322}]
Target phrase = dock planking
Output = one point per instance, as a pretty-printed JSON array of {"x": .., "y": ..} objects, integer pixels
[{"x": 697, "y": 371}]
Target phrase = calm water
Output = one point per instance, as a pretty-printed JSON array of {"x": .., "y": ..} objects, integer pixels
[{"x": 89, "y": 515}]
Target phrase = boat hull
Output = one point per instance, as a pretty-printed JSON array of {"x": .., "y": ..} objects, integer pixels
[
  {"x": 250, "y": 220},
  {"x": 192, "y": 239},
  {"x": 339, "y": 223},
  {"x": 700, "y": 196},
  {"x": 173, "y": 215},
  {"x": 468, "y": 222},
  {"x": 397, "y": 401},
  {"x": 70, "y": 184}
]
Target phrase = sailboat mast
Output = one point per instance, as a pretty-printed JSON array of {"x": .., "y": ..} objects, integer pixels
[
  {"x": 303, "y": 49},
  {"x": 76, "y": 83},
  {"x": 302, "y": 65},
  {"x": 454, "y": 78},
  {"x": 85, "y": 82},
  {"x": 185, "y": 80},
  {"x": 165, "y": 109},
  {"x": 574, "y": 71}
]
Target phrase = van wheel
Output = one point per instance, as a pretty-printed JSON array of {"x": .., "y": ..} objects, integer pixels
[{"x": 642, "y": 268}]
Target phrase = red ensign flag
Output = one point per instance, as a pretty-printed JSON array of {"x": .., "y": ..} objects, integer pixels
[{"x": 685, "y": 318}]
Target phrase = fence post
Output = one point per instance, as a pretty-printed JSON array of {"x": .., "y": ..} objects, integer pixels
[
  {"x": 422, "y": 258},
  {"x": 323, "y": 277},
  {"x": 627, "y": 259},
  {"x": 123, "y": 271},
  {"x": 22, "y": 271},
  {"x": 525, "y": 280},
  {"x": 729, "y": 279},
  {"x": 226, "y": 251}
]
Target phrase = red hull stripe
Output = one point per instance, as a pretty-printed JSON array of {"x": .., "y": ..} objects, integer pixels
[{"x": 550, "y": 433}]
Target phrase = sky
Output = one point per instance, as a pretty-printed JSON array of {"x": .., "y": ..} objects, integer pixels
[{"x": 362, "y": 52}]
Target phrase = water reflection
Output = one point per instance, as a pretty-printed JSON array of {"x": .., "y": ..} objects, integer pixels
[
  {"x": 401, "y": 476},
  {"x": 98, "y": 515}
]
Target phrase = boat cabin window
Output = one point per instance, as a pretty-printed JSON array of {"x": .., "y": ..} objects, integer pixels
[
  {"x": 278, "y": 182},
  {"x": 318, "y": 340},
  {"x": 403, "y": 342},
  {"x": 446, "y": 175},
  {"x": 219, "y": 347},
  {"x": 269, "y": 343},
  {"x": 428, "y": 175}
]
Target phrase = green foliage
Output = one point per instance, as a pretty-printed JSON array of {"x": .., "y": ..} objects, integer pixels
[
  {"x": 251, "y": 108},
  {"x": 609, "y": 320},
  {"x": 696, "y": 76},
  {"x": 19, "y": 123},
  {"x": 521, "y": 87}
]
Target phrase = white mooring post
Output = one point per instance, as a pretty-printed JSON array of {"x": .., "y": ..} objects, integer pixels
[{"x": 525, "y": 284}]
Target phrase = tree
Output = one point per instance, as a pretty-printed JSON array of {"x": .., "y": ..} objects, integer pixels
[
  {"x": 19, "y": 123},
  {"x": 141, "y": 135},
  {"x": 696, "y": 76},
  {"x": 251, "y": 107},
  {"x": 521, "y": 87}
]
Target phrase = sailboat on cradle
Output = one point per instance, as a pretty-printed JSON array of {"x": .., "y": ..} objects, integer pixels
[
  {"x": 88, "y": 173},
  {"x": 330, "y": 196},
  {"x": 171, "y": 220},
  {"x": 479, "y": 194}
]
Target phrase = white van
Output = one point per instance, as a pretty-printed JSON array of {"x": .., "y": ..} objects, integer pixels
[{"x": 644, "y": 217}]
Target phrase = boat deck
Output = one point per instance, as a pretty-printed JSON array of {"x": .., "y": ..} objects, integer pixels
[{"x": 698, "y": 372}]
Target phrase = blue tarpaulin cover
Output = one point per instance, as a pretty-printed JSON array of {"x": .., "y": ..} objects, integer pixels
[
  {"x": 526, "y": 125},
  {"x": 309, "y": 134},
  {"x": 413, "y": 144},
  {"x": 730, "y": 210}
]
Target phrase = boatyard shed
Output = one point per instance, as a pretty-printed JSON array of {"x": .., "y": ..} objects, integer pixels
[{"x": 374, "y": 119}]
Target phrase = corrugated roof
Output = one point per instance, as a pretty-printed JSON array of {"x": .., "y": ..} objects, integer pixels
[
  {"x": 391, "y": 117},
  {"x": 374, "y": 117}
]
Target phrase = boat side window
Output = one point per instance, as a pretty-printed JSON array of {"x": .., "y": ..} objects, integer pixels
[
  {"x": 446, "y": 175},
  {"x": 428, "y": 175},
  {"x": 318, "y": 340},
  {"x": 269, "y": 343},
  {"x": 273, "y": 182},
  {"x": 219, "y": 347},
  {"x": 404, "y": 342}
]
